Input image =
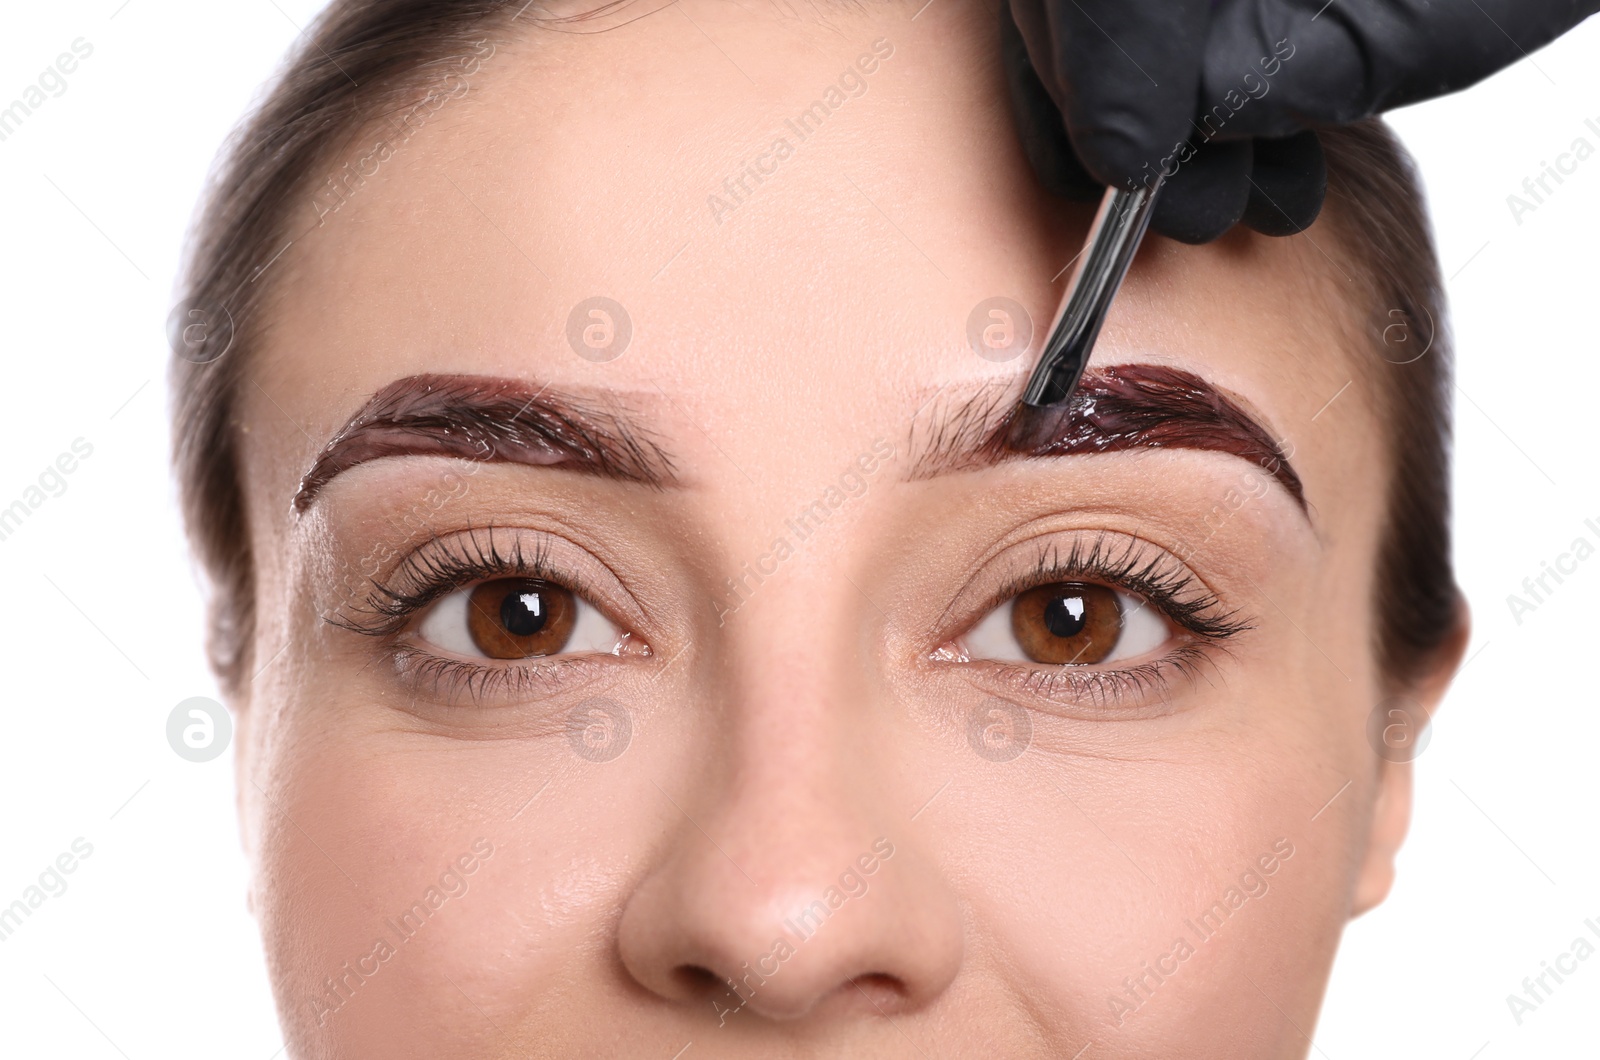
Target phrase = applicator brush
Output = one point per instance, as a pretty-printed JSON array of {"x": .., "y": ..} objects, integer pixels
[{"x": 1119, "y": 226}]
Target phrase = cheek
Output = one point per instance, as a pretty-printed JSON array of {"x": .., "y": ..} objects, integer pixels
[
  {"x": 354, "y": 859},
  {"x": 1112, "y": 880}
]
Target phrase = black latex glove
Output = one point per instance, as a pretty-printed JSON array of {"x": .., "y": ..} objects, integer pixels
[{"x": 1223, "y": 95}]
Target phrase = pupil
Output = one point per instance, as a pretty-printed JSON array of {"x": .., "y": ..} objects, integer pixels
[
  {"x": 1064, "y": 616},
  {"x": 523, "y": 613}
]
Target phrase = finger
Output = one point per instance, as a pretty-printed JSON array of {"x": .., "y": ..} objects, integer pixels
[
  {"x": 1337, "y": 61},
  {"x": 1288, "y": 181},
  {"x": 1272, "y": 66},
  {"x": 1208, "y": 193},
  {"x": 1027, "y": 19},
  {"x": 1039, "y": 125},
  {"x": 1129, "y": 72}
]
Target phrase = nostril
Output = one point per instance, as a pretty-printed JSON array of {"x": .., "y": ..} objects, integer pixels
[
  {"x": 695, "y": 981},
  {"x": 885, "y": 993}
]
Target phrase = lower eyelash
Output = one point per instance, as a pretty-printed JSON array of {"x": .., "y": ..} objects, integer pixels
[
  {"x": 452, "y": 678},
  {"x": 1105, "y": 689},
  {"x": 1159, "y": 579}
]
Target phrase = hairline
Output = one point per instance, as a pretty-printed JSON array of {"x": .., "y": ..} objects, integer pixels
[{"x": 206, "y": 399}]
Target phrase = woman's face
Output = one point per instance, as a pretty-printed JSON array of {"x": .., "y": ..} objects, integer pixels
[{"x": 763, "y": 670}]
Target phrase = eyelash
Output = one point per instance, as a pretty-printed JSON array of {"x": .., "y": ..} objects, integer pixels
[
  {"x": 1161, "y": 580},
  {"x": 440, "y": 566}
]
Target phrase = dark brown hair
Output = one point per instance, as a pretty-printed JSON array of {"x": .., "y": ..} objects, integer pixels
[
  {"x": 362, "y": 60},
  {"x": 367, "y": 60},
  {"x": 1378, "y": 212}
]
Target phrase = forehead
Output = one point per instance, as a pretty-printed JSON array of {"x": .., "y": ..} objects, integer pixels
[{"x": 796, "y": 226}]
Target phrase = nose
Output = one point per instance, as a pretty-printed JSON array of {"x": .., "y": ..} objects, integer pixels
[{"x": 790, "y": 885}]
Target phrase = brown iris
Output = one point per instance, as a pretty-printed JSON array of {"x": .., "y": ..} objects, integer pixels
[
  {"x": 1067, "y": 623},
  {"x": 514, "y": 618}
]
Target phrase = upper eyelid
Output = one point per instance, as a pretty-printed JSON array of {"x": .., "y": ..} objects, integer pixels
[
  {"x": 987, "y": 561},
  {"x": 1083, "y": 561},
  {"x": 463, "y": 548},
  {"x": 468, "y": 570}
]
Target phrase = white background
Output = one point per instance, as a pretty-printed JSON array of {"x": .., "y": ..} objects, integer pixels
[{"x": 150, "y": 952}]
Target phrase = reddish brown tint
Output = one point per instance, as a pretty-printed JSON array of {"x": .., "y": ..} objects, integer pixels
[{"x": 1131, "y": 406}]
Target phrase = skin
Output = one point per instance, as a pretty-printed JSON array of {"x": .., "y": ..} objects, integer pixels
[{"x": 770, "y": 746}]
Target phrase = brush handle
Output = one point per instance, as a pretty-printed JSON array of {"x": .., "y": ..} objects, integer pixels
[{"x": 1118, "y": 228}]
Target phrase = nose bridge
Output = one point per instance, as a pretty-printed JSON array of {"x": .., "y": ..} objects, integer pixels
[
  {"x": 799, "y": 678},
  {"x": 791, "y": 886},
  {"x": 796, "y": 806}
]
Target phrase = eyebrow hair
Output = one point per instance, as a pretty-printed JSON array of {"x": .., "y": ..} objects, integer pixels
[
  {"x": 1120, "y": 407},
  {"x": 489, "y": 419}
]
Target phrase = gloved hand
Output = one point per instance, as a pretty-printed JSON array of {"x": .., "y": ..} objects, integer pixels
[{"x": 1223, "y": 95}]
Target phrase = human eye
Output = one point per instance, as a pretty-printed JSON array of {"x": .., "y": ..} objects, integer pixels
[
  {"x": 516, "y": 618},
  {"x": 1101, "y": 619},
  {"x": 1072, "y": 623},
  {"x": 492, "y": 614}
]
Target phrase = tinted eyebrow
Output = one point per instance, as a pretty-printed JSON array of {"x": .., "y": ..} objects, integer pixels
[
  {"x": 490, "y": 419},
  {"x": 1125, "y": 406}
]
